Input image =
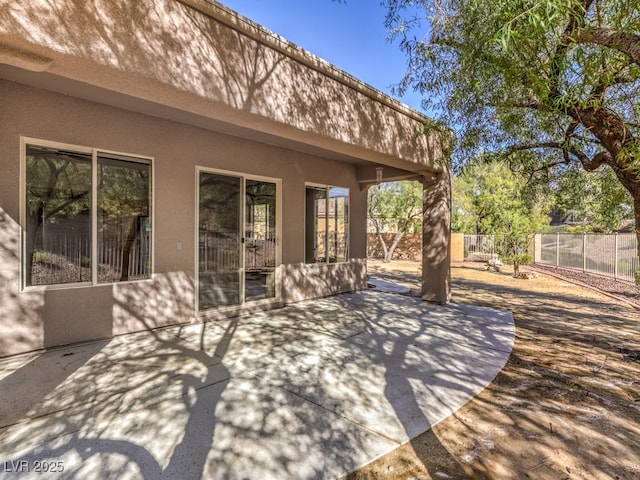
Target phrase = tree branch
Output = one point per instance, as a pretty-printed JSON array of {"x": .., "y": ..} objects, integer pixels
[
  {"x": 626, "y": 43},
  {"x": 589, "y": 164},
  {"x": 616, "y": 78},
  {"x": 574, "y": 22}
]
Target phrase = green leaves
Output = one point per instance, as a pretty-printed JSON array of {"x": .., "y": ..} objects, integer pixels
[
  {"x": 396, "y": 206},
  {"x": 481, "y": 62},
  {"x": 594, "y": 202},
  {"x": 559, "y": 79},
  {"x": 489, "y": 198}
]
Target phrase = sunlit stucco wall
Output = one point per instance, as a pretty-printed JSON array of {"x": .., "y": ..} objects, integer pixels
[
  {"x": 199, "y": 57},
  {"x": 31, "y": 320}
]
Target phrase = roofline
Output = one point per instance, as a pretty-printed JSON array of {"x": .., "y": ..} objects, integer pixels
[{"x": 248, "y": 27}]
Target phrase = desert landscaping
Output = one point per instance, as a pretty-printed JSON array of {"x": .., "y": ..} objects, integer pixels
[{"x": 565, "y": 406}]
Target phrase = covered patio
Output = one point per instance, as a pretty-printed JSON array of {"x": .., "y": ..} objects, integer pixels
[
  {"x": 312, "y": 390},
  {"x": 170, "y": 161}
]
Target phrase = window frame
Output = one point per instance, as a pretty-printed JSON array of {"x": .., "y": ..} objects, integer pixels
[
  {"x": 200, "y": 312},
  {"x": 95, "y": 153},
  {"x": 327, "y": 189}
]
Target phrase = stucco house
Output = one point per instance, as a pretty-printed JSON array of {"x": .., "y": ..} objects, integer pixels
[{"x": 168, "y": 161}]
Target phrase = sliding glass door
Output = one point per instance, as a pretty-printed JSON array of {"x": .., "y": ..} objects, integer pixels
[
  {"x": 219, "y": 241},
  {"x": 260, "y": 240},
  {"x": 237, "y": 240}
]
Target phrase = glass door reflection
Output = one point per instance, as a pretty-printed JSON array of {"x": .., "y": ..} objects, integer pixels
[
  {"x": 260, "y": 240},
  {"x": 219, "y": 280}
]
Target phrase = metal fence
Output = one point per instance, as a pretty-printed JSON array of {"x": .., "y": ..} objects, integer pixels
[
  {"x": 220, "y": 252},
  {"x": 481, "y": 248},
  {"x": 613, "y": 255},
  {"x": 66, "y": 258}
]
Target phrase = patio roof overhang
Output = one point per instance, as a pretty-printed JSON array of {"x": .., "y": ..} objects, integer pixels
[{"x": 199, "y": 63}]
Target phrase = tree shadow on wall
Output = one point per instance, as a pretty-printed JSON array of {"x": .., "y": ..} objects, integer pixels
[{"x": 176, "y": 45}]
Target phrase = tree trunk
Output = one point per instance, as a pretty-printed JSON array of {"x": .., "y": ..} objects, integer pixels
[
  {"x": 132, "y": 234},
  {"x": 385, "y": 250},
  {"x": 396, "y": 240},
  {"x": 620, "y": 146}
]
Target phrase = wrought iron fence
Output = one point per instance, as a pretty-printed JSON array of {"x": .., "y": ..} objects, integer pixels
[
  {"x": 220, "y": 252},
  {"x": 481, "y": 248},
  {"x": 66, "y": 258},
  {"x": 613, "y": 255}
]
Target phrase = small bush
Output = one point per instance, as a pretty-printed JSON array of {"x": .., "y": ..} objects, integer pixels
[
  {"x": 40, "y": 257},
  {"x": 518, "y": 259}
]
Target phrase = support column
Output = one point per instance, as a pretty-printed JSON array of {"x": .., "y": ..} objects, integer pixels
[{"x": 436, "y": 237}]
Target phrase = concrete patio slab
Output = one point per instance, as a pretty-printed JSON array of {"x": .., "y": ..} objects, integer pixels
[
  {"x": 387, "y": 287},
  {"x": 313, "y": 390}
]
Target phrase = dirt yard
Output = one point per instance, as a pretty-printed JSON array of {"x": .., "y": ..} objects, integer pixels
[{"x": 567, "y": 403}]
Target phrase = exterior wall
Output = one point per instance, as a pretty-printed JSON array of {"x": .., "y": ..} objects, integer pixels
[
  {"x": 457, "y": 247},
  {"x": 35, "y": 319},
  {"x": 190, "y": 83},
  {"x": 409, "y": 247},
  {"x": 302, "y": 281},
  {"x": 198, "y": 57}
]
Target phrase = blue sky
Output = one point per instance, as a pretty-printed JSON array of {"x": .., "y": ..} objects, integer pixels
[{"x": 350, "y": 34}]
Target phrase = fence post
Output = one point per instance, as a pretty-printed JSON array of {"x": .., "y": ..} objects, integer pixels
[
  {"x": 584, "y": 252},
  {"x": 615, "y": 257},
  {"x": 557, "y": 250}
]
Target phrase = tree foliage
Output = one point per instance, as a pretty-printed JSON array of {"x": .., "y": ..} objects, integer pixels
[
  {"x": 560, "y": 78},
  {"x": 489, "y": 199},
  {"x": 394, "y": 207},
  {"x": 592, "y": 202}
]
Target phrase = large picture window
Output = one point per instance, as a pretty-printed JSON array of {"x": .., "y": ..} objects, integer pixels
[
  {"x": 327, "y": 224},
  {"x": 87, "y": 216}
]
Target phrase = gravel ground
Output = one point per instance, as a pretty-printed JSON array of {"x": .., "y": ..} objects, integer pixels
[
  {"x": 623, "y": 290},
  {"x": 566, "y": 406}
]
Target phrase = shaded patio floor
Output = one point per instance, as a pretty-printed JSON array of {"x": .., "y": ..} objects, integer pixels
[{"x": 312, "y": 390}]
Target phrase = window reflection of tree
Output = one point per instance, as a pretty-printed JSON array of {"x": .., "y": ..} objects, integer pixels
[
  {"x": 58, "y": 201},
  {"x": 58, "y": 244}
]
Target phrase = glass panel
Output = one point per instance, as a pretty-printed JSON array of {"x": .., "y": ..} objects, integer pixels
[
  {"x": 260, "y": 240},
  {"x": 219, "y": 241},
  {"x": 316, "y": 225},
  {"x": 58, "y": 216},
  {"x": 338, "y": 218},
  {"x": 124, "y": 219}
]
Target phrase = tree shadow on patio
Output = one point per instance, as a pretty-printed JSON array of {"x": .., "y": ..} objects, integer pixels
[{"x": 561, "y": 406}]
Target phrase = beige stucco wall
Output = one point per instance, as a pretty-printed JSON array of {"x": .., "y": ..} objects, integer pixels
[
  {"x": 184, "y": 55},
  {"x": 31, "y": 320},
  {"x": 190, "y": 84},
  {"x": 457, "y": 247}
]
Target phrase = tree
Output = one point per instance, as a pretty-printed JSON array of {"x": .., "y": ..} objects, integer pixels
[
  {"x": 489, "y": 199},
  {"x": 58, "y": 191},
  {"x": 464, "y": 215},
  {"x": 397, "y": 207},
  {"x": 593, "y": 202},
  {"x": 560, "y": 78}
]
